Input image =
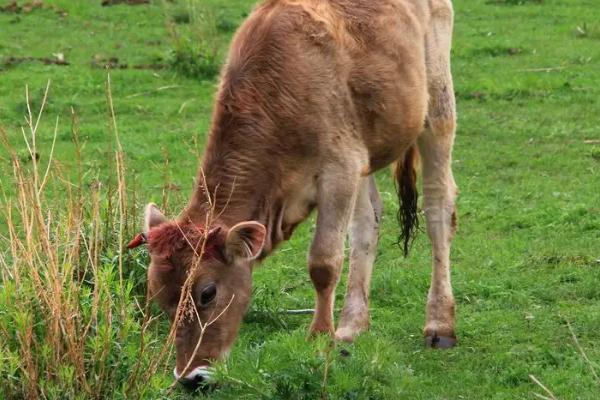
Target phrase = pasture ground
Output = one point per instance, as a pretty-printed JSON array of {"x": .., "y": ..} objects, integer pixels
[{"x": 526, "y": 259}]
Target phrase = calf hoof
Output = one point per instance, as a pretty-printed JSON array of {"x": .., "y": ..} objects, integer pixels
[
  {"x": 353, "y": 322},
  {"x": 345, "y": 353},
  {"x": 345, "y": 335},
  {"x": 440, "y": 342}
]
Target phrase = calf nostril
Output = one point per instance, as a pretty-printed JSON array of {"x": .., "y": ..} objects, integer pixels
[{"x": 192, "y": 383}]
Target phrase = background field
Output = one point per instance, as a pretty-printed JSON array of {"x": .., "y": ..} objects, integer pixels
[{"x": 526, "y": 260}]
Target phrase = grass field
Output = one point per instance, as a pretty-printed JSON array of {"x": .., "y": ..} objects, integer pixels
[{"x": 526, "y": 259}]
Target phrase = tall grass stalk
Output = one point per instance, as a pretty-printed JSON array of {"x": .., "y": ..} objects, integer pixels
[
  {"x": 71, "y": 318},
  {"x": 71, "y": 324}
]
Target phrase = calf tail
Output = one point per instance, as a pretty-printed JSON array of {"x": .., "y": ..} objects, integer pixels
[{"x": 405, "y": 175}]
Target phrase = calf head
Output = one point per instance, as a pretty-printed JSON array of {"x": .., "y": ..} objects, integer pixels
[{"x": 201, "y": 277}]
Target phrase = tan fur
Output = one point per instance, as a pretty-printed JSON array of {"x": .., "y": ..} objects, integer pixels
[{"x": 316, "y": 95}]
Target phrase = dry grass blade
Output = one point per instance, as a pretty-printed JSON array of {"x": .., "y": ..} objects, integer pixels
[
  {"x": 547, "y": 69},
  {"x": 582, "y": 352},
  {"x": 50, "y": 158},
  {"x": 160, "y": 89},
  {"x": 544, "y": 388}
]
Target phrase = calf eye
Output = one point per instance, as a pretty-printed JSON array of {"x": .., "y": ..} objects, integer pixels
[{"x": 208, "y": 294}]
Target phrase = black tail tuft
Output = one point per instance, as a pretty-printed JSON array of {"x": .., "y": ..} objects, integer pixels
[{"x": 406, "y": 186}]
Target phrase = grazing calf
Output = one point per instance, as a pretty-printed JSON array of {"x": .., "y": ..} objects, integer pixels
[{"x": 316, "y": 96}]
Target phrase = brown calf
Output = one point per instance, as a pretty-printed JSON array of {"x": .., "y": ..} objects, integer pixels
[{"x": 316, "y": 95}]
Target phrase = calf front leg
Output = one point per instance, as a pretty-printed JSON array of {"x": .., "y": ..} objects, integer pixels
[{"x": 336, "y": 196}]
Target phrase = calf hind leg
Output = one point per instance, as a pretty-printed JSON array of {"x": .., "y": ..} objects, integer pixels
[
  {"x": 439, "y": 188},
  {"x": 364, "y": 234},
  {"x": 439, "y": 197}
]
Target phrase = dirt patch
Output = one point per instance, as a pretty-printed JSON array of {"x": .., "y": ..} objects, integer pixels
[
  {"x": 56, "y": 59},
  {"x": 14, "y": 7},
  {"x": 27, "y": 7},
  {"x": 107, "y": 63},
  {"x": 128, "y": 2},
  {"x": 99, "y": 62},
  {"x": 149, "y": 66}
]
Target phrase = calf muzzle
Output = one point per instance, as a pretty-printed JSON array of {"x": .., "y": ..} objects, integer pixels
[{"x": 199, "y": 377}]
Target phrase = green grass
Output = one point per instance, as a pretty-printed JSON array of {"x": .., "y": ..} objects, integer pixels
[{"x": 526, "y": 258}]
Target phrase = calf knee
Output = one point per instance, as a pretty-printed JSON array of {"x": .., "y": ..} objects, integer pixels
[
  {"x": 324, "y": 271},
  {"x": 322, "y": 276}
]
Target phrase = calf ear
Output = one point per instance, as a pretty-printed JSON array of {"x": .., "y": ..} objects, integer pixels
[
  {"x": 245, "y": 241},
  {"x": 152, "y": 217}
]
